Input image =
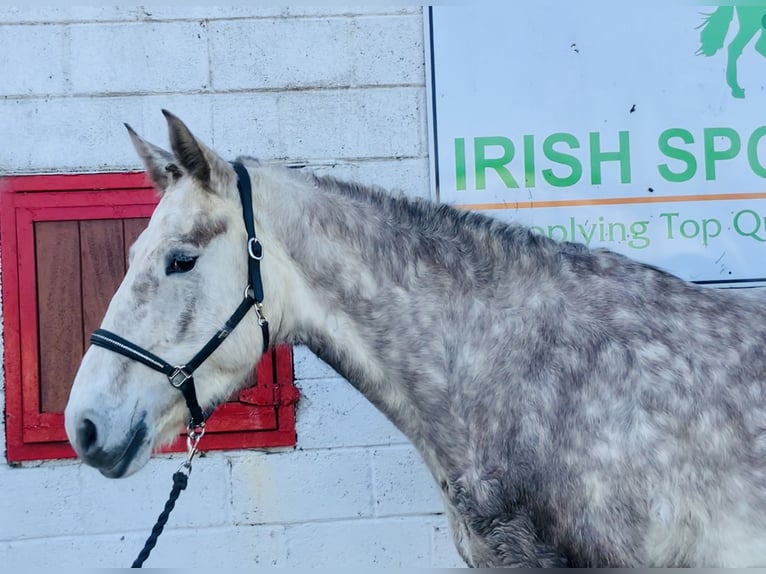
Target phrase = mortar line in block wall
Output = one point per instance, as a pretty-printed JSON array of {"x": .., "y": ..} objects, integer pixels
[
  {"x": 426, "y": 520},
  {"x": 66, "y": 63},
  {"x": 288, "y": 162},
  {"x": 373, "y": 481},
  {"x": 357, "y": 448},
  {"x": 431, "y": 543},
  {"x": 350, "y": 520},
  {"x": 241, "y": 456},
  {"x": 192, "y": 533},
  {"x": 209, "y": 55},
  {"x": 210, "y": 92},
  {"x": 191, "y": 19},
  {"x": 140, "y": 532},
  {"x": 230, "y": 490}
]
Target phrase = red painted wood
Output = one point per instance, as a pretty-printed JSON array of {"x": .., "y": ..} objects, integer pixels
[
  {"x": 102, "y": 255},
  {"x": 241, "y": 417},
  {"x": 59, "y": 305},
  {"x": 44, "y": 427},
  {"x": 288, "y": 392},
  {"x": 264, "y": 371},
  {"x": 73, "y": 182},
  {"x": 11, "y": 324},
  {"x": 132, "y": 228},
  {"x": 28, "y": 200},
  {"x": 28, "y": 340},
  {"x": 283, "y": 376},
  {"x": 81, "y": 212},
  {"x": 240, "y": 440},
  {"x": 261, "y": 389}
]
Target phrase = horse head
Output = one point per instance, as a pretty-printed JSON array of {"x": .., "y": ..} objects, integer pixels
[{"x": 187, "y": 272}]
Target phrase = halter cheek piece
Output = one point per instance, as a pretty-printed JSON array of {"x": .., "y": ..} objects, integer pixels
[{"x": 181, "y": 376}]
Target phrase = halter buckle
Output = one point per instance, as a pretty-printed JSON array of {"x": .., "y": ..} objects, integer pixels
[
  {"x": 254, "y": 249},
  {"x": 179, "y": 376}
]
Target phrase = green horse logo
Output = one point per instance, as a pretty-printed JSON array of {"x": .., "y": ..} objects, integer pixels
[{"x": 752, "y": 19}]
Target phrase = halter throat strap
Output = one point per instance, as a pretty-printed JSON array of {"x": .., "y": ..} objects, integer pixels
[
  {"x": 181, "y": 376},
  {"x": 254, "y": 289},
  {"x": 254, "y": 247}
]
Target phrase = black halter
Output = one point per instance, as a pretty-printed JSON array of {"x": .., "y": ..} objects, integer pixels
[{"x": 181, "y": 376}]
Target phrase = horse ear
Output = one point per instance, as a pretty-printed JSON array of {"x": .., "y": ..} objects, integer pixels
[
  {"x": 202, "y": 163},
  {"x": 160, "y": 165}
]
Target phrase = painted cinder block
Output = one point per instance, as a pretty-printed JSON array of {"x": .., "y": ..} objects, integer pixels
[
  {"x": 138, "y": 57},
  {"x": 355, "y": 123},
  {"x": 443, "y": 551},
  {"x": 87, "y": 126},
  {"x": 332, "y": 414},
  {"x": 217, "y": 549},
  {"x": 359, "y": 543},
  {"x": 306, "y": 365},
  {"x": 403, "y": 483},
  {"x": 33, "y": 60},
  {"x": 301, "y": 486},
  {"x": 324, "y": 52},
  {"x": 74, "y": 499},
  {"x": 92, "y": 130},
  {"x": 220, "y": 549}
]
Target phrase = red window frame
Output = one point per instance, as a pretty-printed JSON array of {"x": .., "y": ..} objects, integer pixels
[{"x": 264, "y": 415}]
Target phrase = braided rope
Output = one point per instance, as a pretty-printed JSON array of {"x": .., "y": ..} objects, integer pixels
[{"x": 180, "y": 480}]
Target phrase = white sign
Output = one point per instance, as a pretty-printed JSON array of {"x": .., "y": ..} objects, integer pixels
[{"x": 633, "y": 126}]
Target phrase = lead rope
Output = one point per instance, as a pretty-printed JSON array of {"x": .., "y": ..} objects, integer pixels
[{"x": 180, "y": 480}]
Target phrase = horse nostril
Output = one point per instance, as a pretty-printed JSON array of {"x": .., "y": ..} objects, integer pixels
[{"x": 87, "y": 435}]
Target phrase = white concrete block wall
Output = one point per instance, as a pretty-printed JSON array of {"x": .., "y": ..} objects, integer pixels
[{"x": 341, "y": 89}]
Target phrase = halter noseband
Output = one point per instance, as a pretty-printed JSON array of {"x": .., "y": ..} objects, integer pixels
[{"x": 181, "y": 376}]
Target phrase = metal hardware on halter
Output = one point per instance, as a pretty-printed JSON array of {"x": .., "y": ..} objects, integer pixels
[
  {"x": 179, "y": 373},
  {"x": 254, "y": 249},
  {"x": 193, "y": 436},
  {"x": 259, "y": 313},
  {"x": 257, "y": 305}
]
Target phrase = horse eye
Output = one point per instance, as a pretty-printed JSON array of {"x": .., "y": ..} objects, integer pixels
[{"x": 178, "y": 263}]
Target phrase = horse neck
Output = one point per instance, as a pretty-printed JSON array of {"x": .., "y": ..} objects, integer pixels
[
  {"x": 352, "y": 287},
  {"x": 363, "y": 292},
  {"x": 339, "y": 283}
]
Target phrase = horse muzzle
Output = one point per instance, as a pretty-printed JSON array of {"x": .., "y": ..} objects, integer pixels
[{"x": 112, "y": 460}]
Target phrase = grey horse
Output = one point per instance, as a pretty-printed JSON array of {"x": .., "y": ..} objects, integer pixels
[{"x": 575, "y": 407}]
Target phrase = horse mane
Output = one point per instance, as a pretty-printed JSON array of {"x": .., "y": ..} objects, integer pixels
[
  {"x": 395, "y": 228},
  {"x": 469, "y": 228},
  {"x": 439, "y": 218}
]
